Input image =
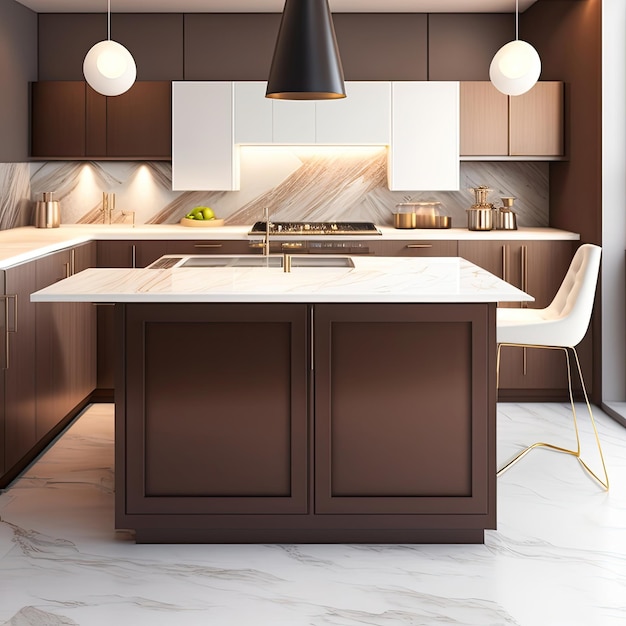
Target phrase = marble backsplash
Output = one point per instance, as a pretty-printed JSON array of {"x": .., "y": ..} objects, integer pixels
[
  {"x": 15, "y": 195},
  {"x": 295, "y": 183}
]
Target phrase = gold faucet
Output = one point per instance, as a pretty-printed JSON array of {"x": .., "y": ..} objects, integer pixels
[{"x": 266, "y": 241}]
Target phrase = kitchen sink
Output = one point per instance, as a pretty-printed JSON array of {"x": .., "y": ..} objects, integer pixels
[{"x": 265, "y": 261}]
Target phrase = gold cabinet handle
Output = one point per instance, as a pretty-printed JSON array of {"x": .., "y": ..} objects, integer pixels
[
  {"x": 207, "y": 245},
  {"x": 505, "y": 270},
  {"x": 524, "y": 271},
  {"x": 133, "y": 256},
  {"x": 312, "y": 337},
  {"x": 67, "y": 269},
  {"x": 419, "y": 245},
  {"x": 72, "y": 262}
]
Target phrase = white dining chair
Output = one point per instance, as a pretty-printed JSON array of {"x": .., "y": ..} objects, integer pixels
[{"x": 560, "y": 326}]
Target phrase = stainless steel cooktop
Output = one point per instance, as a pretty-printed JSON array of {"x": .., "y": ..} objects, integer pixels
[{"x": 316, "y": 228}]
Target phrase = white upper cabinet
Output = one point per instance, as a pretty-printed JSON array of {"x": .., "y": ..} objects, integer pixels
[
  {"x": 419, "y": 121},
  {"x": 424, "y": 148},
  {"x": 253, "y": 113},
  {"x": 363, "y": 117},
  {"x": 203, "y": 147},
  {"x": 293, "y": 121}
]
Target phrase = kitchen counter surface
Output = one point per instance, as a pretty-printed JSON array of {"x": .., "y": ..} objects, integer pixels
[
  {"x": 373, "y": 279},
  {"x": 18, "y": 245}
]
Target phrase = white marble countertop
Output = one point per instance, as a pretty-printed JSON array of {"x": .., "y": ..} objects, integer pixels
[
  {"x": 18, "y": 245},
  {"x": 373, "y": 279}
]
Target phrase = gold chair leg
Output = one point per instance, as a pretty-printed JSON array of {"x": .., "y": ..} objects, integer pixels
[{"x": 577, "y": 452}]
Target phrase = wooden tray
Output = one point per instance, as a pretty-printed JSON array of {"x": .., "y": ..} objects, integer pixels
[{"x": 202, "y": 223}]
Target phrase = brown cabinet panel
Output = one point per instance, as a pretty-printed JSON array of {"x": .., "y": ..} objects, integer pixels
[
  {"x": 139, "y": 122},
  {"x": 493, "y": 124},
  {"x": 218, "y": 393},
  {"x": 426, "y": 247},
  {"x": 130, "y": 253},
  {"x": 243, "y": 43},
  {"x": 119, "y": 253},
  {"x": 58, "y": 119},
  {"x": 83, "y": 332},
  {"x": 69, "y": 119},
  {"x": 96, "y": 124},
  {"x": 65, "y": 341},
  {"x": 116, "y": 253},
  {"x": 383, "y": 47},
  {"x": 536, "y": 125},
  {"x": 405, "y": 445},
  {"x": 154, "y": 39},
  {"x": 484, "y": 115},
  {"x": 54, "y": 352},
  {"x": 461, "y": 45},
  {"x": 210, "y": 246},
  {"x": 19, "y": 375},
  {"x": 537, "y": 267}
]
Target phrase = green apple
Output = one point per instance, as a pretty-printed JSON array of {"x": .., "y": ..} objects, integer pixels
[{"x": 208, "y": 213}]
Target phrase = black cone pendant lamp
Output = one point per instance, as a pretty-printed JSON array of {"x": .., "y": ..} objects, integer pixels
[{"x": 306, "y": 64}]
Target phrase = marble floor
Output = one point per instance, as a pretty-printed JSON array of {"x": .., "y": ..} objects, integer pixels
[{"x": 557, "y": 558}]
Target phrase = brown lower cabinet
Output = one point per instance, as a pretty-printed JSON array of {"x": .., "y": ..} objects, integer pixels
[
  {"x": 141, "y": 253},
  {"x": 48, "y": 358},
  {"x": 307, "y": 423},
  {"x": 65, "y": 341},
  {"x": 537, "y": 267},
  {"x": 19, "y": 360}
]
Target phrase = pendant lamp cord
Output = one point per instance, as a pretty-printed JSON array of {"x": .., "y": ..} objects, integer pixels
[
  {"x": 516, "y": 19},
  {"x": 109, "y": 21}
]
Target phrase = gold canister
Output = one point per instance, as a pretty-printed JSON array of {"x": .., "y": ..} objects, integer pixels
[
  {"x": 404, "y": 220},
  {"x": 47, "y": 212},
  {"x": 480, "y": 214},
  {"x": 404, "y": 217}
]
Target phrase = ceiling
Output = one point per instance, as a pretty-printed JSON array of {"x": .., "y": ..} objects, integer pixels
[{"x": 273, "y": 6}]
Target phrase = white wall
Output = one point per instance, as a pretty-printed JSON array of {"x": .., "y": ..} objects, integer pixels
[{"x": 614, "y": 204}]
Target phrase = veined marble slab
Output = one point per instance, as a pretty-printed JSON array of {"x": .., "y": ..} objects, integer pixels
[
  {"x": 373, "y": 279},
  {"x": 558, "y": 557}
]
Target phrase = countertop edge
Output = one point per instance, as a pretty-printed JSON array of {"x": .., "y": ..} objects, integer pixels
[{"x": 19, "y": 245}]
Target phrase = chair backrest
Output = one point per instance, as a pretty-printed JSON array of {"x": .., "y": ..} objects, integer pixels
[{"x": 575, "y": 297}]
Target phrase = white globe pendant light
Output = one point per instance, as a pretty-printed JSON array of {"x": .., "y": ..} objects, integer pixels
[
  {"x": 516, "y": 67},
  {"x": 109, "y": 67}
]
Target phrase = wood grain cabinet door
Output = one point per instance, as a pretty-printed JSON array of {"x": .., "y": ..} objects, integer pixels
[
  {"x": 537, "y": 267},
  {"x": 54, "y": 346},
  {"x": 139, "y": 122},
  {"x": 404, "y": 408},
  {"x": 215, "y": 417},
  {"x": 58, "y": 119},
  {"x": 493, "y": 124},
  {"x": 19, "y": 373},
  {"x": 419, "y": 248},
  {"x": 542, "y": 265},
  {"x": 536, "y": 121},
  {"x": 83, "y": 332},
  {"x": 484, "y": 114}
]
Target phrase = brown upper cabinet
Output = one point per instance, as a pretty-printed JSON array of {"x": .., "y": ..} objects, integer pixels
[
  {"x": 71, "y": 120},
  {"x": 493, "y": 124}
]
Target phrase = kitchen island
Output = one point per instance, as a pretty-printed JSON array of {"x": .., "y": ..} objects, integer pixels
[{"x": 325, "y": 404}]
